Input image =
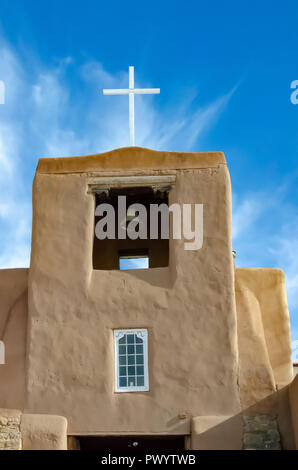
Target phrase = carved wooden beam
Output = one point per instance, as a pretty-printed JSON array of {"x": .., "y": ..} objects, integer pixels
[{"x": 163, "y": 183}]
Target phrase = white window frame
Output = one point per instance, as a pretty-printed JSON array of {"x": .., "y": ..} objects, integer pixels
[
  {"x": 2, "y": 353},
  {"x": 143, "y": 334}
]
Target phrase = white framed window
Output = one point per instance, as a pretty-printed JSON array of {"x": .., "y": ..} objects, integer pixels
[{"x": 131, "y": 360}]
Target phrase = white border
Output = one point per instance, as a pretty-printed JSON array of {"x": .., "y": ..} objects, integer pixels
[
  {"x": 2, "y": 353},
  {"x": 141, "y": 333}
]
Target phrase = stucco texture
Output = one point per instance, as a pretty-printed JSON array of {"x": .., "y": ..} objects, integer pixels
[
  {"x": 13, "y": 332},
  {"x": 130, "y": 158},
  {"x": 264, "y": 340},
  {"x": 43, "y": 432},
  {"x": 217, "y": 433},
  {"x": 188, "y": 307}
]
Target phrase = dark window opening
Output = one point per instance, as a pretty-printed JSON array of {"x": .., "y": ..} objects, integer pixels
[
  {"x": 162, "y": 443},
  {"x": 127, "y": 253}
]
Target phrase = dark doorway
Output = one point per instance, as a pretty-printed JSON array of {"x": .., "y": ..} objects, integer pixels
[{"x": 131, "y": 442}]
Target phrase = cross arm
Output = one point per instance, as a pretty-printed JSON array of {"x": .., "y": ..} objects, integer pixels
[
  {"x": 136, "y": 91},
  {"x": 146, "y": 91},
  {"x": 124, "y": 91}
]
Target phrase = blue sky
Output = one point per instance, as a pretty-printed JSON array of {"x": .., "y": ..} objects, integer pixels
[{"x": 224, "y": 69}]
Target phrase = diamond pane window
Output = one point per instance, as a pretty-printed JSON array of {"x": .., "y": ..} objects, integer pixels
[{"x": 131, "y": 360}]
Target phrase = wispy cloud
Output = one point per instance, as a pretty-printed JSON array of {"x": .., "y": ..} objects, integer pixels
[
  {"x": 246, "y": 212},
  {"x": 265, "y": 234},
  {"x": 45, "y": 116}
]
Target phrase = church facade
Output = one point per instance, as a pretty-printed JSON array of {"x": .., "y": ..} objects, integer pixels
[{"x": 191, "y": 352}]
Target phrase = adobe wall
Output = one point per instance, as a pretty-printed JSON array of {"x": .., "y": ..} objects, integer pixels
[
  {"x": 74, "y": 309},
  {"x": 264, "y": 336},
  {"x": 13, "y": 332},
  {"x": 20, "y": 431},
  {"x": 43, "y": 432}
]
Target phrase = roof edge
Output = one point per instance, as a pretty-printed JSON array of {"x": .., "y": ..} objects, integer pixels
[{"x": 130, "y": 158}]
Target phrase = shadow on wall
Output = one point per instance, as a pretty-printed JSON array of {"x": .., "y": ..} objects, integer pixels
[
  {"x": 270, "y": 424},
  {"x": 13, "y": 334}
]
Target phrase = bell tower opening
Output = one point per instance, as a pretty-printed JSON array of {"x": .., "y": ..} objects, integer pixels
[{"x": 131, "y": 252}]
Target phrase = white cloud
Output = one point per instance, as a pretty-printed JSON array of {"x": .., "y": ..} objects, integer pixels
[
  {"x": 6, "y": 151},
  {"x": 245, "y": 214},
  {"x": 265, "y": 234}
]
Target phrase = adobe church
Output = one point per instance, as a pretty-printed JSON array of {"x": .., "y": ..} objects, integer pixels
[{"x": 189, "y": 353}]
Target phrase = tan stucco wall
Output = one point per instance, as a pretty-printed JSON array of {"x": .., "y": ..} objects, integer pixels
[
  {"x": 20, "y": 431},
  {"x": 43, "y": 432},
  {"x": 13, "y": 332},
  {"x": 130, "y": 158},
  {"x": 74, "y": 309},
  {"x": 263, "y": 333},
  {"x": 217, "y": 433}
]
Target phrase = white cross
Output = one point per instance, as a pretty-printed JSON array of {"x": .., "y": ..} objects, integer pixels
[{"x": 131, "y": 91}]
